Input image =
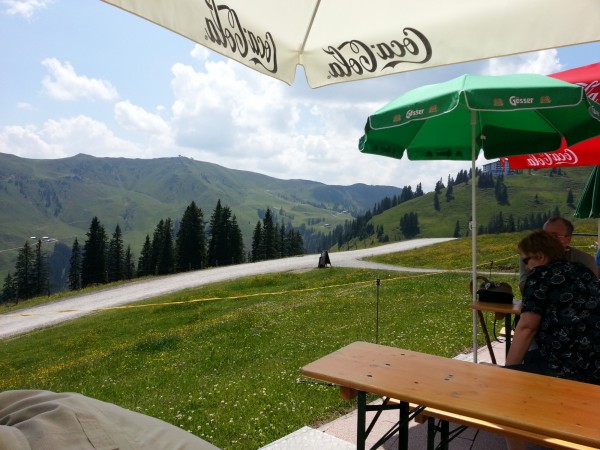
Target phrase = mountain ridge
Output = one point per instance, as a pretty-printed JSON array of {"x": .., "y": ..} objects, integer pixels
[{"x": 57, "y": 198}]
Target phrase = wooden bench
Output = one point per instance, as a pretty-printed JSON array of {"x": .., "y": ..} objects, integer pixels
[
  {"x": 552, "y": 411},
  {"x": 430, "y": 415}
]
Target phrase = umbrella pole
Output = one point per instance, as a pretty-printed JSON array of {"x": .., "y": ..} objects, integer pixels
[{"x": 474, "y": 227}]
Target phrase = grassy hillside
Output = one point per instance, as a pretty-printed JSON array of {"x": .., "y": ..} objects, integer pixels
[
  {"x": 58, "y": 198},
  {"x": 223, "y": 361},
  {"x": 528, "y": 192}
]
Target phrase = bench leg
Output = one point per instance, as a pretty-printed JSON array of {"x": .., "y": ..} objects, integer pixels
[
  {"x": 403, "y": 431},
  {"x": 361, "y": 420},
  {"x": 446, "y": 436},
  {"x": 431, "y": 432},
  {"x": 445, "y": 426},
  {"x": 432, "y": 429}
]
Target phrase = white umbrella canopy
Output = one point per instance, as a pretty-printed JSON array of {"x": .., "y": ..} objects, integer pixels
[{"x": 346, "y": 40}]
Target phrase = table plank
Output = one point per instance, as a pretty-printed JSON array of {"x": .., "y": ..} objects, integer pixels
[
  {"x": 549, "y": 406},
  {"x": 503, "y": 308}
]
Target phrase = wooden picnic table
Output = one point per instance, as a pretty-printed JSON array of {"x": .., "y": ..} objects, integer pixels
[{"x": 525, "y": 402}]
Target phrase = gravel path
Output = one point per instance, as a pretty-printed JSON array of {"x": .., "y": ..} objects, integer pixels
[{"x": 19, "y": 322}]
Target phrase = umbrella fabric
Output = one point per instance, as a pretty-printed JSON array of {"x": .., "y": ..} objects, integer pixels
[
  {"x": 585, "y": 153},
  {"x": 504, "y": 115},
  {"x": 589, "y": 203},
  {"x": 587, "y": 77},
  {"x": 346, "y": 40}
]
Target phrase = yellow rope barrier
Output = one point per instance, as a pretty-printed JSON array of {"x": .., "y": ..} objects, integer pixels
[{"x": 236, "y": 297}]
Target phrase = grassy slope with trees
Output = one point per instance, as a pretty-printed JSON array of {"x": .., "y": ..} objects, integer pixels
[
  {"x": 58, "y": 198},
  {"x": 536, "y": 192}
]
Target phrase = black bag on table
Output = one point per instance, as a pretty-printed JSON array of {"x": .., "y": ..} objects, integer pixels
[{"x": 493, "y": 292}]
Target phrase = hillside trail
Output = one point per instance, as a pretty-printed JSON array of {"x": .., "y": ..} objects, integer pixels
[{"x": 26, "y": 320}]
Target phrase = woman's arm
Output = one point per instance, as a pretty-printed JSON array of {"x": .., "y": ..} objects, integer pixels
[{"x": 527, "y": 327}]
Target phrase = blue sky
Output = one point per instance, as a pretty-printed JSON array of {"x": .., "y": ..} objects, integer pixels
[{"x": 81, "y": 76}]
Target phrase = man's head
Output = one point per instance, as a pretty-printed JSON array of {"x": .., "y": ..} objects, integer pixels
[
  {"x": 561, "y": 229},
  {"x": 540, "y": 247}
]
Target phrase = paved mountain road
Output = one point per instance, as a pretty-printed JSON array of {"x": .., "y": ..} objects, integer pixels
[{"x": 19, "y": 322}]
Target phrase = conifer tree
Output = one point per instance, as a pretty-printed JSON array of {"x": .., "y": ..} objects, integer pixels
[
  {"x": 456, "y": 230},
  {"x": 145, "y": 267},
  {"x": 75, "y": 267},
  {"x": 419, "y": 190},
  {"x": 270, "y": 236},
  {"x": 295, "y": 243},
  {"x": 511, "y": 227},
  {"x": 116, "y": 256},
  {"x": 236, "y": 240},
  {"x": 191, "y": 242},
  {"x": 436, "y": 201},
  {"x": 40, "y": 271},
  {"x": 282, "y": 241},
  {"x": 449, "y": 192},
  {"x": 409, "y": 225},
  {"x": 93, "y": 262},
  {"x": 23, "y": 273},
  {"x": 230, "y": 244},
  {"x": 8, "y": 289},
  {"x": 163, "y": 252},
  {"x": 258, "y": 252},
  {"x": 128, "y": 265},
  {"x": 407, "y": 193}
]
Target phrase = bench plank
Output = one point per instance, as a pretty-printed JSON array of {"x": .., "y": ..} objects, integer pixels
[{"x": 505, "y": 431}]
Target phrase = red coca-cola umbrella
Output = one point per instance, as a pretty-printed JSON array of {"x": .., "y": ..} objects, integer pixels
[{"x": 586, "y": 153}]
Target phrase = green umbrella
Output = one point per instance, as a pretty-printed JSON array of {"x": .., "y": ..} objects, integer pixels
[
  {"x": 589, "y": 203},
  {"x": 503, "y": 115}
]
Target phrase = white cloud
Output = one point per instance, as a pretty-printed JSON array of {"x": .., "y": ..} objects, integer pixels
[
  {"x": 66, "y": 137},
  {"x": 200, "y": 53},
  {"x": 25, "y": 8},
  {"x": 26, "y": 142},
  {"x": 544, "y": 62},
  {"x": 135, "y": 118},
  {"x": 24, "y": 106},
  {"x": 231, "y": 116},
  {"x": 217, "y": 107},
  {"x": 63, "y": 83}
]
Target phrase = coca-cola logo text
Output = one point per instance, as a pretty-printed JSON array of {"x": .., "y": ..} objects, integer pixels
[
  {"x": 223, "y": 28},
  {"x": 592, "y": 89},
  {"x": 356, "y": 57},
  {"x": 565, "y": 157}
]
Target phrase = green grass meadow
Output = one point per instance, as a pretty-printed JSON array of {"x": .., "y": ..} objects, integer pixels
[{"x": 223, "y": 361}]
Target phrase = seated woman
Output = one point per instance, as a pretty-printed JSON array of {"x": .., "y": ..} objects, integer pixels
[{"x": 560, "y": 312}]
